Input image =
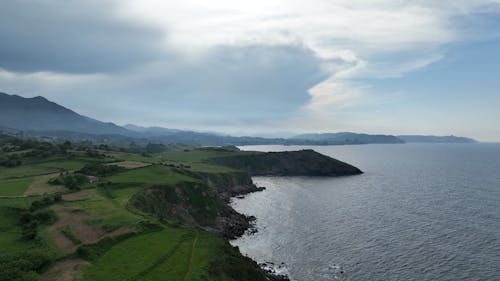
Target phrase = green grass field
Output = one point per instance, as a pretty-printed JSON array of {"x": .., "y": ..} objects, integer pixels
[
  {"x": 14, "y": 187},
  {"x": 121, "y": 262},
  {"x": 196, "y": 155},
  {"x": 10, "y": 231},
  {"x": 72, "y": 164},
  {"x": 171, "y": 254},
  {"x": 22, "y": 202},
  {"x": 105, "y": 210},
  {"x": 177, "y": 251},
  {"x": 46, "y": 166},
  {"x": 123, "y": 156},
  {"x": 147, "y": 176},
  {"x": 25, "y": 171}
]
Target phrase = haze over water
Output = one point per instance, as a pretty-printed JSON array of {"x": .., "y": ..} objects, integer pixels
[{"x": 419, "y": 212}]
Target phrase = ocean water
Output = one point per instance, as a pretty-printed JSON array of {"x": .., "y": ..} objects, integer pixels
[{"x": 419, "y": 212}]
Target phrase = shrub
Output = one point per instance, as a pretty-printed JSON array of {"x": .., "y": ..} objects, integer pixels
[
  {"x": 97, "y": 169},
  {"x": 23, "y": 267},
  {"x": 66, "y": 231},
  {"x": 70, "y": 181}
]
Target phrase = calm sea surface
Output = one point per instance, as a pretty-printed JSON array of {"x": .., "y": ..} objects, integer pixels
[{"x": 419, "y": 212}]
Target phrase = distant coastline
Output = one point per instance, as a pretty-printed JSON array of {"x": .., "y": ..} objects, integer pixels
[{"x": 43, "y": 119}]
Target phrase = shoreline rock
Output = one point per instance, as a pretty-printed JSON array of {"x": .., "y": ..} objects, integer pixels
[{"x": 239, "y": 229}]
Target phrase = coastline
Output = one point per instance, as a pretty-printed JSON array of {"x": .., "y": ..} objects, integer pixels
[
  {"x": 305, "y": 162},
  {"x": 248, "y": 229}
]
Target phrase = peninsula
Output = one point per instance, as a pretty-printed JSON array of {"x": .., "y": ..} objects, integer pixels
[{"x": 155, "y": 212}]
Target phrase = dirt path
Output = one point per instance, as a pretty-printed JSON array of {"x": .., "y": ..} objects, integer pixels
[
  {"x": 64, "y": 270},
  {"x": 188, "y": 273},
  {"x": 79, "y": 195},
  {"x": 130, "y": 164}
]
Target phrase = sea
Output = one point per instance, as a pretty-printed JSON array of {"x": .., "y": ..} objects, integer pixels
[{"x": 418, "y": 212}]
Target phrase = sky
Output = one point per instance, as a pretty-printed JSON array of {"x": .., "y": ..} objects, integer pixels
[{"x": 262, "y": 67}]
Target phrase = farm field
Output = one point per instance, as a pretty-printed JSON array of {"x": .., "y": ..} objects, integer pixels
[{"x": 80, "y": 230}]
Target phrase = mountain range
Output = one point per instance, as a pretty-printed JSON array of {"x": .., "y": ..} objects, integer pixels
[
  {"x": 436, "y": 139},
  {"x": 40, "y": 114},
  {"x": 349, "y": 138},
  {"x": 40, "y": 117}
]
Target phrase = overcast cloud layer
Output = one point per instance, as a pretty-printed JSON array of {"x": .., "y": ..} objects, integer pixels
[{"x": 256, "y": 67}]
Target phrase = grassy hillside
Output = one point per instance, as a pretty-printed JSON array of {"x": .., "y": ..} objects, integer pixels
[
  {"x": 96, "y": 230},
  {"x": 150, "y": 213},
  {"x": 287, "y": 163}
]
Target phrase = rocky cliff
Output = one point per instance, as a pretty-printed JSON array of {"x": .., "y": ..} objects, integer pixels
[{"x": 288, "y": 163}]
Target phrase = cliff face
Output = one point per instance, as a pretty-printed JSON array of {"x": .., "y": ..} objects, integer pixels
[
  {"x": 288, "y": 163},
  {"x": 226, "y": 184},
  {"x": 196, "y": 204},
  {"x": 204, "y": 201}
]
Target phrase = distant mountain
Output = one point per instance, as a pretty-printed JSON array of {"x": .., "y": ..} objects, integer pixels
[
  {"x": 39, "y": 117},
  {"x": 155, "y": 131},
  {"x": 436, "y": 139},
  {"x": 165, "y": 135},
  {"x": 347, "y": 138},
  {"x": 40, "y": 114}
]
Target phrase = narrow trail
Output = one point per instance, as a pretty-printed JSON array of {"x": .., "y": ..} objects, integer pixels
[{"x": 188, "y": 273}]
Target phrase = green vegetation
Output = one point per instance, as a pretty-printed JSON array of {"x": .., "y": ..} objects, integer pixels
[
  {"x": 23, "y": 266},
  {"x": 173, "y": 254},
  {"x": 66, "y": 231},
  {"x": 119, "y": 202},
  {"x": 287, "y": 163},
  {"x": 140, "y": 220},
  {"x": 14, "y": 187},
  {"x": 70, "y": 181},
  {"x": 100, "y": 170},
  {"x": 150, "y": 247}
]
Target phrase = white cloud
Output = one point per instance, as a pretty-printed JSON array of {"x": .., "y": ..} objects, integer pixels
[
  {"x": 332, "y": 92},
  {"x": 355, "y": 38},
  {"x": 325, "y": 26},
  {"x": 46, "y": 82},
  {"x": 227, "y": 53}
]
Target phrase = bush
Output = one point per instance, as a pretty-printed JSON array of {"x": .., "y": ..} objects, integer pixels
[
  {"x": 45, "y": 201},
  {"x": 70, "y": 181},
  {"x": 23, "y": 267},
  {"x": 29, "y": 221},
  {"x": 97, "y": 169},
  {"x": 94, "y": 154},
  {"x": 66, "y": 231},
  {"x": 10, "y": 161},
  {"x": 30, "y": 230},
  {"x": 46, "y": 217}
]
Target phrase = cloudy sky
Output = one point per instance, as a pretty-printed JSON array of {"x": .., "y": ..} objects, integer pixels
[{"x": 262, "y": 66}]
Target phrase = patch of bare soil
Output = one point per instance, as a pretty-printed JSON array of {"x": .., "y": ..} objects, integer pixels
[
  {"x": 74, "y": 219},
  {"x": 41, "y": 186},
  {"x": 79, "y": 195},
  {"x": 131, "y": 164},
  {"x": 68, "y": 269},
  {"x": 64, "y": 270}
]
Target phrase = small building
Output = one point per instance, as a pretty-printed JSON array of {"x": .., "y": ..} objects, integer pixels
[{"x": 91, "y": 179}]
